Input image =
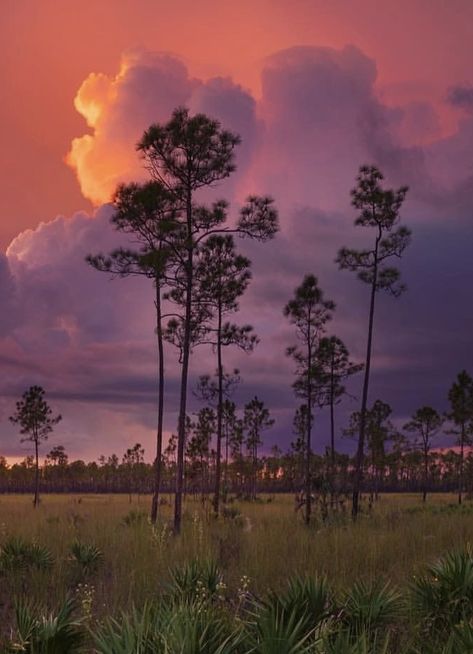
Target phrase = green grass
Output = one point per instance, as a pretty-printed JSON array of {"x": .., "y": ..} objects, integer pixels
[{"x": 267, "y": 543}]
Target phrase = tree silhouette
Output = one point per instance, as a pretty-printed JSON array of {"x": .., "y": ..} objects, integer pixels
[
  {"x": 299, "y": 429},
  {"x": 379, "y": 209},
  {"x": 198, "y": 445},
  {"x": 309, "y": 311},
  {"x": 222, "y": 277},
  {"x": 336, "y": 361},
  {"x": 132, "y": 459},
  {"x": 187, "y": 154},
  {"x": 256, "y": 420},
  {"x": 57, "y": 456},
  {"x": 235, "y": 438},
  {"x": 213, "y": 391},
  {"x": 424, "y": 424},
  {"x": 460, "y": 397},
  {"x": 379, "y": 430},
  {"x": 35, "y": 418},
  {"x": 207, "y": 387},
  {"x": 143, "y": 212},
  {"x": 231, "y": 425}
]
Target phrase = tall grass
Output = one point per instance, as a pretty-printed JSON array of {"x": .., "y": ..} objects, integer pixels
[
  {"x": 265, "y": 543},
  {"x": 195, "y": 616}
]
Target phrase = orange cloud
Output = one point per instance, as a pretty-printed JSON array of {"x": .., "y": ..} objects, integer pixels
[
  {"x": 146, "y": 89},
  {"x": 101, "y": 162}
]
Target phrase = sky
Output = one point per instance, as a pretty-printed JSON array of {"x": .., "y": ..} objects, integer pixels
[{"x": 315, "y": 88}]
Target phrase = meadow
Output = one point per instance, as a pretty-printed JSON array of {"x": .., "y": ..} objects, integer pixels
[{"x": 102, "y": 551}]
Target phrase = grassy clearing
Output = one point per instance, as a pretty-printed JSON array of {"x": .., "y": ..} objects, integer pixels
[{"x": 266, "y": 541}]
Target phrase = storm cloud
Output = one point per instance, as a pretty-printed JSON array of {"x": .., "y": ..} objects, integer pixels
[{"x": 90, "y": 340}]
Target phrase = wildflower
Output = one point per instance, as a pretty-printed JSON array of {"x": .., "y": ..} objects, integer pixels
[{"x": 85, "y": 595}]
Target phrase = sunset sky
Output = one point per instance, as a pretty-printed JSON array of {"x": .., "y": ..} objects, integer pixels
[{"x": 315, "y": 88}]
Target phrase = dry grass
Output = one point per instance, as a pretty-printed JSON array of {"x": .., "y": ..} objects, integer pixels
[{"x": 268, "y": 543}]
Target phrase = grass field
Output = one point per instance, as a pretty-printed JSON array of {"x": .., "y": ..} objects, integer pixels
[{"x": 266, "y": 542}]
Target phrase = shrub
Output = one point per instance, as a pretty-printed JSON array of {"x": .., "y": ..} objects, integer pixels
[
  {"x": 196, "y": 580},
  {"x": 370, "y": 608},
  {"x": 88, "y": 557},
  {"x": 19, "y": 555},
  {"x": 307, "y": 600},
  {"x": 443, "y": 596},
  {"x": 167, "y": 629},
  {"x": 138, "y": 631},
  {"x": 275, "y": 631},
  {"x": 37, "y": 633}
]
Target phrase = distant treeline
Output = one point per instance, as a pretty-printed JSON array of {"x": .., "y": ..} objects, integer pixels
[{"x": 399, "y": 470}]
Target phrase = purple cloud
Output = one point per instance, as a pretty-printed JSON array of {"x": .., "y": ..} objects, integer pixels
[{"x": 90, "y": 340}]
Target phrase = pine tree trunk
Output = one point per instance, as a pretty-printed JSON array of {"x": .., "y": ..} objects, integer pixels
[
  {"x": 36, "y": 489},
  {"x": 202, "y": 480},
  {"x": 332, "y": 430},
  {"x": 308, "y": 488},
  {"x": 159, "y": 435},
  {"x": 225, "y": 478},
  {"x": 361, "y": 439},
  {"x": 255, "y": 470},
  {"x": 460, "y": 472},
  {"x": 426, "y": 473},
  {"x": 332, "y": 416},
  {"x": 181, "y": 438},
  {"x": 219, "y": 413}
]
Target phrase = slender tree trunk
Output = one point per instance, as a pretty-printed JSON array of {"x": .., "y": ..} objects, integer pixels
[
  {"x": 332, "y": 414},
  {"x": 159, "y": 435},
  {"x": 225, "y": 478},
  {"x": 255, "y": 470},
  {"x": 219, "y": 413},
  {"x": 36, "y": 488},
  {"x": 202, "y": 480},
  {"x": 308, "y": 485},
  {"x": 361, "y": 439},
  {"x": 332, "y": 430},
  {"x": 426, "y": 473},
  {"x": 184, "y": 372},
  {"x": 460, "y": 472}
]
